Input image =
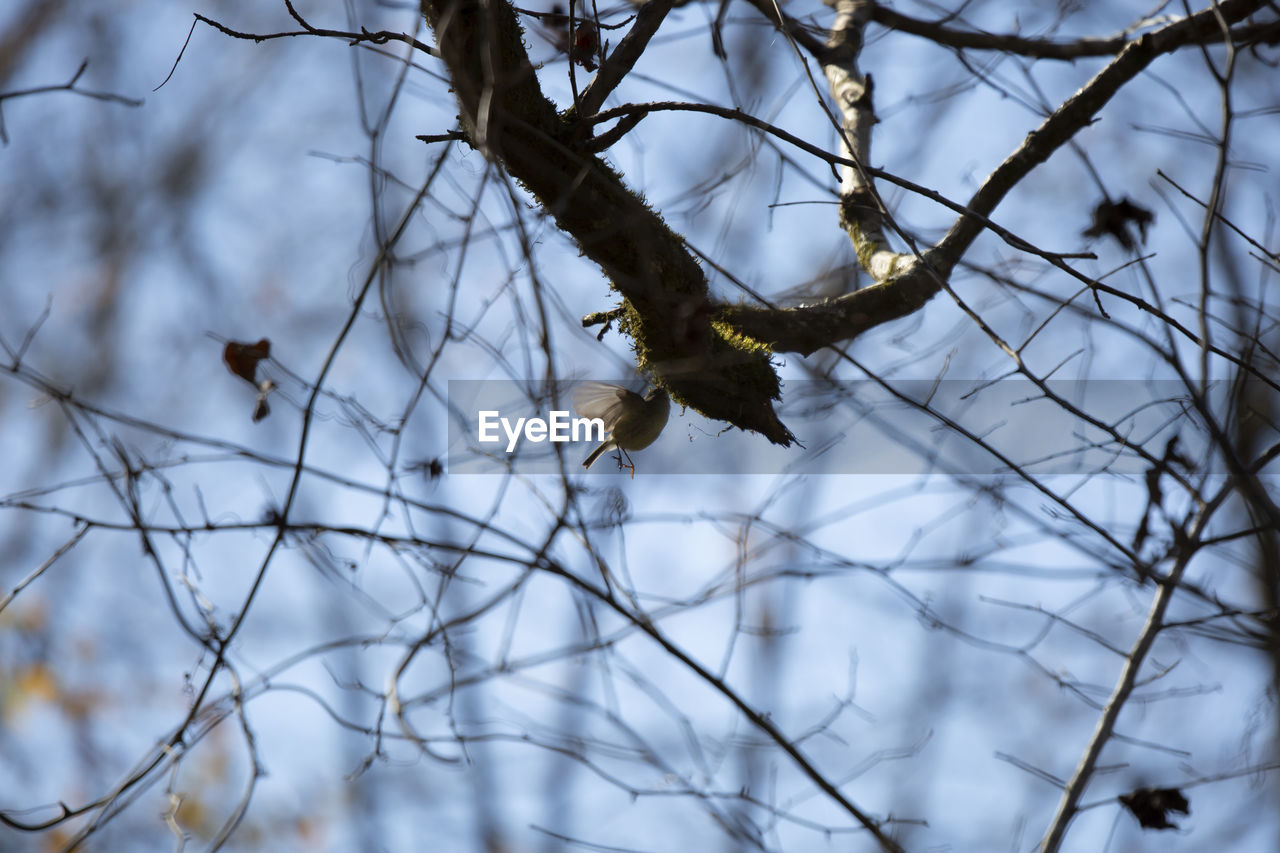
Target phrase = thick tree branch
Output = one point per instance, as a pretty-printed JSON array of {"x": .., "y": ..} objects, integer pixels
[
  {"x": 862, "y": 213},
  {"x": 906, "y": 282},
  {"x": 715, "y": 358},
  {"x": 667, "y": 311},
  {"x": 805, "y": 329}
]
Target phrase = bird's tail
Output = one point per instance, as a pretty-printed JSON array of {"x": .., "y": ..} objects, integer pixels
[{"x": 596, "y": 454}]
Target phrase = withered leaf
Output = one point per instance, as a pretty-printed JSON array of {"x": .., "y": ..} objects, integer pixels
[
  {"x": 242, "y": 359},
  {"x": 1115, "y": 217},
  {"x": 1151, "y": 806}
]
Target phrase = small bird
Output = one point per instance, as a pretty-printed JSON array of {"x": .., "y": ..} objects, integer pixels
[{"x": 631, "y": 422}]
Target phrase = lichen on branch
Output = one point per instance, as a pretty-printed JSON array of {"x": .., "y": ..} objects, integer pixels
[{"x": 668, "y": 312}]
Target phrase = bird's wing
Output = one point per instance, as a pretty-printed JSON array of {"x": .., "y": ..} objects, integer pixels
[{"x": 601, "y": 400}]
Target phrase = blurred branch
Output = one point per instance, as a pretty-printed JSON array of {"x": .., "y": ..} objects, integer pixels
[
  {"x": 1218, "y": 215},
  {"x": 624, "y": 56},
  {"x": 756, "y": 718},
  {"x": 69, "y": 86}
]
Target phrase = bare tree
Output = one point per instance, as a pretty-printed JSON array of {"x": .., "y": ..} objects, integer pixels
[{"x": 255, "y": 600}]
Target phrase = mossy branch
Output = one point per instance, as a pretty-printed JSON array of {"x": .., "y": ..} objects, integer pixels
[{"x": 667, "y": 311}]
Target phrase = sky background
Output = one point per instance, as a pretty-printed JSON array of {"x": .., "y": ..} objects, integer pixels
[{"x": 926, "y": 637}]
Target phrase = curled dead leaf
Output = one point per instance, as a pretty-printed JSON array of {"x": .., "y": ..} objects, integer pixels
[{"x": 242, "y": 359}]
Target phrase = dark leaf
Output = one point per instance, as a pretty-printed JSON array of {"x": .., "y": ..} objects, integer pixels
[
  {"x": 1115, "y": 217},
  {"x": 1151, "y": 806},
  {"x": 242, "y": 359}
]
